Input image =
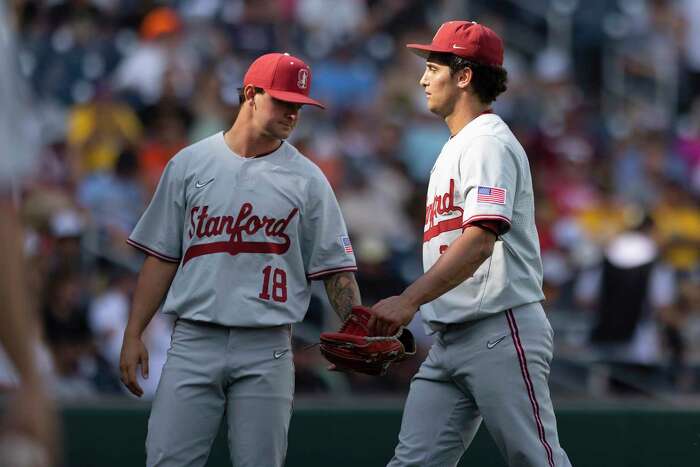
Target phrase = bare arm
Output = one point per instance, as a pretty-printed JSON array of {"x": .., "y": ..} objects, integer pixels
[
  {"x": 154, "y": 281},
  {"x": 31, "y": 411},
  {"x": 343, "y": 292},
  {"x": 457, "y": 264},
  {"x": 15, "y": 333}
]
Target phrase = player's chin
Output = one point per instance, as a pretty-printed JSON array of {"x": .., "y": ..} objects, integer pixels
[
  {"x": 282, "y": 131},
  {"x": 434, "y": 109},
  {"x": 437, "y": 109}
]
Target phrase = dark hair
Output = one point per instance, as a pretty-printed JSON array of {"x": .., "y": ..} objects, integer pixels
[
  {"x": 488, "y": 81},
  {"x": 241, "y": 96}
]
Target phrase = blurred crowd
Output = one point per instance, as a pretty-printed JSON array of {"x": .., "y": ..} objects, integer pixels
[{"x": 604, "y": 96}]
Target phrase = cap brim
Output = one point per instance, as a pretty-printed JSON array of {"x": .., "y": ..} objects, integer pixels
[
  {"x": 294, "y": 97},
  {"x": 425, "y": 49}
]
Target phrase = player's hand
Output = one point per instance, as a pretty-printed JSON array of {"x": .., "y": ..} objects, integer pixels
[
  {"x": 390, "y": 314},
  {"x": 133, "y": 354}
]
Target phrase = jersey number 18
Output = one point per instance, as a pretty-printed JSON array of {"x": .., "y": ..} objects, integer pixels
[{"x": 279, "y": 285}]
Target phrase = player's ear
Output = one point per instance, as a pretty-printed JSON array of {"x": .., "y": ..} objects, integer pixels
[
  {"x": 249, "y": 93},
  {"x": 464, "y": 77}
]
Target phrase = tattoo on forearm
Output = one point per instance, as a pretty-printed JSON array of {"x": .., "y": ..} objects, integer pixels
[{"x": 343, "y": 293}]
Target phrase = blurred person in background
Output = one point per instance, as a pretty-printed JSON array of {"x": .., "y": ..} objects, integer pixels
[
  {"x": 28, "y": 436},
  {"x": 629, "y": 328},
  {"x": 168, "y": 135},
  {"x": 677, "y": 220},
  {"x": 108, "y": 315},
  {"x": 81, "y": 372},
  {"x": 159, "y": 61},
  {"x": 114, "y": 201},
  {"x": 626, "y": 324},
  {"x": 66, "y": 229},
  {"x": 99, "y": 130}
]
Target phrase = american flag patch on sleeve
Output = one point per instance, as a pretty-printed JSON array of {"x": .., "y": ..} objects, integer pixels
[
  {"x": 490, "y": 194},
  {"x": 345, "y": 242}
]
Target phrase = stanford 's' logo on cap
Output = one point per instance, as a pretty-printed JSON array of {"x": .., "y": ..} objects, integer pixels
[{"x": 303, "y": 78}]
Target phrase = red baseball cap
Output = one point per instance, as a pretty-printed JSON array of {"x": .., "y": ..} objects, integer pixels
[
  {"x": 283, "y": 76},
  {"x": 465, "y": 39}
]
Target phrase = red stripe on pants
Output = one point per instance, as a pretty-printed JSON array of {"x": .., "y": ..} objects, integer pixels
[{"x": 528, "y": 384}]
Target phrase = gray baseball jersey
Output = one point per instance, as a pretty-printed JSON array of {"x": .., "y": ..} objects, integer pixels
[
  {"x": 482, "y": 173},
  {"x": 249, "y": 234}
]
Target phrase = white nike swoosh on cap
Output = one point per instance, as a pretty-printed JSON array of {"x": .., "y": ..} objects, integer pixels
[{"x": 455, "y": 46}]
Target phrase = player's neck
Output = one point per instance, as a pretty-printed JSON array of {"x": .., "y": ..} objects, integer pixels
[
  {"x": 245, "y": 141},
  {"x": 463, "y": 113}
]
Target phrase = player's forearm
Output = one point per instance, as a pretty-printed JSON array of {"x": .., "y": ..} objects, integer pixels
[
  {"x": 153, "y": 283},
  {"x": 15, "y": 332},
  {"x": 343, "y": 292},
  {"x": 459, "y": 262}
]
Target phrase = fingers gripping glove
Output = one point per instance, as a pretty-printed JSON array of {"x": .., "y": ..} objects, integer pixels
[{"x": 353, "y": 349}]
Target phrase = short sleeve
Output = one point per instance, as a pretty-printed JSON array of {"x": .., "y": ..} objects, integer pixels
[
  {"x": 488, "y": 177},
  {"x": 326, "y": 246},
  {"x": 159, "y": 231}
]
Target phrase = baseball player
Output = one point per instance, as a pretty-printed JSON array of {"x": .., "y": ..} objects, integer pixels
[
  {"x": 482, "y": 288},
  {"x": 239, "y": 225}
]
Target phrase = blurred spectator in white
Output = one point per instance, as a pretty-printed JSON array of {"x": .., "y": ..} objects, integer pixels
[
  {"x": 627, "y": 327},
  {"x": 66, "y": 230},
  {"x": 160, "y": 59},
  {"x": 107, "y": 316}
]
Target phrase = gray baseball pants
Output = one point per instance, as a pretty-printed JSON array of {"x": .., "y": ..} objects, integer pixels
[
  {"x": 495, "y": 370},
  {"x": 245, "y": 373}
]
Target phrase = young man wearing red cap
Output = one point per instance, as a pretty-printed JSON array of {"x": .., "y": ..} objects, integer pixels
[
  {"x": 239, "y": 225},
  {"x": 481, "y": 292}
]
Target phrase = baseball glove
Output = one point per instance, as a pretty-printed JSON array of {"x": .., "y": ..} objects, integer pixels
[{"x": 353, "y": 349}]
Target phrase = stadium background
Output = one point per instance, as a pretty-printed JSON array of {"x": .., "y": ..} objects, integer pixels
[{"x": 603, "y": 95}]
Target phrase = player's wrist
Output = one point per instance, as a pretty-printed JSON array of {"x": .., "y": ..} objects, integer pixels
[
  {"x": 131, "y": 333},
  {"x": 412, "y": 299}
]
